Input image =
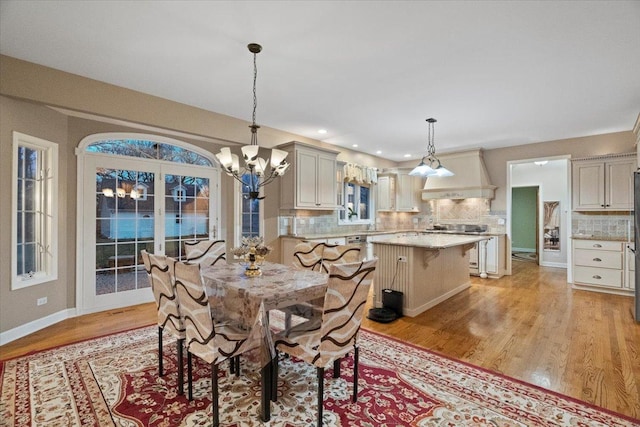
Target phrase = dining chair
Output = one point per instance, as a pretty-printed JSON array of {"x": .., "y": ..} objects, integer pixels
[
  {"x": 331, "y": 254},
  {"x": 205, "y": 252},
  {"x": 211, "y": 342},
  {"x": 340, "y": 254},
  {"x": 328, "y": 340},
  {"x": 160, "y": 270},
  {"x": 308, "y": 255}
]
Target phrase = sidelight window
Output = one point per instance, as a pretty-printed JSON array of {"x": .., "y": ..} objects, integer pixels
[{"x": 34, "y": 211}]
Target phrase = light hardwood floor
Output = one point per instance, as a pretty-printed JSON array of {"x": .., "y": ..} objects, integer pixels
[{"x": 531, "y": 326}]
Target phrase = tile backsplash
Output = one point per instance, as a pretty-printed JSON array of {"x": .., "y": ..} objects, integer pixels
[
  {"x": 468, "y": 211},
  {"x": 603, "y": 224}
]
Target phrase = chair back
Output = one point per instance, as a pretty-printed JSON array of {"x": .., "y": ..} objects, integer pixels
[
  {"x": 201, "y": 337},
  {"x": 347, "y": 293},
  {"x": 205, "y": 252},
  {"x": 308, "y": 256},
  {"x": 160, "y": 270},
  {"x": 339, "y": 254}
]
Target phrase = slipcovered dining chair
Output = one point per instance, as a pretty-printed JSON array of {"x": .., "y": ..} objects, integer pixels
[
  {"x": 328, "y": 340},
  {"x": 160, "y": 270},
  {"x": 308, "y": 255},
  {"x": 340, "y": 254},
  {"x": 205, "y": 252},
  {"x": 211, "y": 342},
  {"x": 331, "y": 254}
]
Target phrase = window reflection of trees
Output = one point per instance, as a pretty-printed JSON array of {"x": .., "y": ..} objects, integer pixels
[{"x": 148, "y": 150}]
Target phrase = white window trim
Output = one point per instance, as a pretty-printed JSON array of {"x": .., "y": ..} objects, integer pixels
[
  {"x": 49, "y": 236},
  {"x": 358, "y": 221}
]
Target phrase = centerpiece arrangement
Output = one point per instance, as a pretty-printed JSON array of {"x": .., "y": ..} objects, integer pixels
[{"x": 252, "y": 251}]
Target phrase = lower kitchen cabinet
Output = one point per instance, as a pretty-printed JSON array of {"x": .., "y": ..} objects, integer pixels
[{"x": 600, "y": 265}]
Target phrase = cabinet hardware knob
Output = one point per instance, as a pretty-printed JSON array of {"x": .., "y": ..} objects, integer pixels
[
  {"x": 597, "y": 259},
  {"x": 597, "y": 245},
  {"x": 597, "y": 277}
]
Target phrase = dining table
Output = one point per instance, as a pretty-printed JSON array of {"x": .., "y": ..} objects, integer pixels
[{"x": 247, "y": 300}]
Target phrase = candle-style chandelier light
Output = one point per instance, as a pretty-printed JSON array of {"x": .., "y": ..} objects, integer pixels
[
  {"x": 430, "y": 165},
  {"x": 256, "y": 171}
]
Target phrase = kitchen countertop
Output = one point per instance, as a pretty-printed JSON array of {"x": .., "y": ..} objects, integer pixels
[
  {"x": 431, "y": 241},
  {"x": 383, "y": 232},
  {"x": 607, "y": 238}
]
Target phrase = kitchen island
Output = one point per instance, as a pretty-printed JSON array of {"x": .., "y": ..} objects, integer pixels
[{"x": 426, "y": 268}]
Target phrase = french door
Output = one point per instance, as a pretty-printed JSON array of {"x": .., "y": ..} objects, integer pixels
[{"x": 131, "y": 205}]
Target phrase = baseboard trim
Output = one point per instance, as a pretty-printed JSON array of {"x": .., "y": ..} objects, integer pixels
[
  {"x": 36, "y": 325},
  {"x": 553, "y": 264},
  {"x": 523, "y": 250}
]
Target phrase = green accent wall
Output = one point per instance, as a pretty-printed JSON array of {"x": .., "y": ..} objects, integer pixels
[{"x": 524, "y": 205}]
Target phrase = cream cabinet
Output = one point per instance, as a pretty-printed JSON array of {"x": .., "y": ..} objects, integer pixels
[
  {"x": 599, "y": 264},
  {"x": 311, "y": 184},
  {"x": 603, "y": 183},
  {"x": 398, "y": 191}
]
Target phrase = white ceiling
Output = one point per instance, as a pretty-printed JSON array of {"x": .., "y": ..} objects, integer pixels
[{"x": 493, "y": 74}]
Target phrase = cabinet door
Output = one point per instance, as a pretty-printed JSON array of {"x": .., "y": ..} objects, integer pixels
[
  {"x": 492, "y": 255},
  {"x": 406, "y": 193},
  {"x": 619, "y": 182},
  {"x": 588, "y": 185},
  {"x": 326, "y": 181},
  {"x": 385, "y": 193},
  {"x": 306, "y": 172}
]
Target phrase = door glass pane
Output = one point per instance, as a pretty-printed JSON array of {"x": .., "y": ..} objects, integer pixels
[
  {"x": 124, "y": 226},
  {"x": 187, "y": 212}
]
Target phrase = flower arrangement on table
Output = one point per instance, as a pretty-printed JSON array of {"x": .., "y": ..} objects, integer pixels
[{"x": 253, "y": 252}]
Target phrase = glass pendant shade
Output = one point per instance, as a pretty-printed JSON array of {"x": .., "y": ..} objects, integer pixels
[{"x": 422, "y": 170}]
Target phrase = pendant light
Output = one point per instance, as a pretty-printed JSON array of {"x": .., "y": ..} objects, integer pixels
[
  {"x": 430, "y": 165},
  {"x": 260, "y": 171}
]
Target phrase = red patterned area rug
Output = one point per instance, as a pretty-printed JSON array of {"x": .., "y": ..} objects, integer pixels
[{"x": 113, "y": 381}]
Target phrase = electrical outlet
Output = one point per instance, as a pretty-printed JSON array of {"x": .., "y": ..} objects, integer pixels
[
  {"x": 41, "y": 301},
  {"x": 402, "y": 259}
]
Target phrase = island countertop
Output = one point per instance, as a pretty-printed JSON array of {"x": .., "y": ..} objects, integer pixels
[{"x": 430, "y": 241}]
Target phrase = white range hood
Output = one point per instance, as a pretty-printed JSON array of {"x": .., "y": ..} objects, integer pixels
[{"x": 470, "y": 180}]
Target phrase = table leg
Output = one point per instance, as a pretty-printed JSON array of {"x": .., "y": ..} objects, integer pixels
[{"x": 265, "y": 396}]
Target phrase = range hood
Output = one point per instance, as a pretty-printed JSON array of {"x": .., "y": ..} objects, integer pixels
[{"x": 470, "y": 180}]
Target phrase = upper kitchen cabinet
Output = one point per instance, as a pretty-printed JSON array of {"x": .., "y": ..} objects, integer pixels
[
  {"x": 398, "y": 191},
  {"x": 311, "y": 184},
  {"x": 603, "y": 183}
]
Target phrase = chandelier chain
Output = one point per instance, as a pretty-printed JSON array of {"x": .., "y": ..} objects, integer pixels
[{"x": 255, "y": 97}]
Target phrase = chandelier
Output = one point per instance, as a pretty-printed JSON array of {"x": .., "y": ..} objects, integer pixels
[
  {"x": 256, "y": 172},
  {"x": 430, "y": 165}
]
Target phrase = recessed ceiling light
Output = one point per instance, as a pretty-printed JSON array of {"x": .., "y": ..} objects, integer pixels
[
  {"x": 379, "y": 152},
  {"x": 355, "y": 145},
  {"x": 407, "y": 155},
  {"x": 322, "y": 131}
]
